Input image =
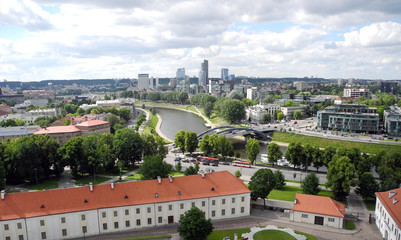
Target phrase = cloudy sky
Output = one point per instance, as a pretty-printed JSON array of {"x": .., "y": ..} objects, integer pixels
[{"x": 70, "y": 39}]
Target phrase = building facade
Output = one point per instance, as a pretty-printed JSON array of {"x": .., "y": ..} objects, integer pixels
[
  {"x": 355, "y": 93},
  {"x": 349, "y": 117},
  {"x": 255, "y": 113},
  {"x": 387, "y": 213},
  {"x": 392, "y": 121},
  {"x": 224, "y": 74},
  {"x": 143, "y": 81},
  {"x": 289, "y": 111},
  {"x": 204, "y": 74},
  {"x": 85, "y": 211}
]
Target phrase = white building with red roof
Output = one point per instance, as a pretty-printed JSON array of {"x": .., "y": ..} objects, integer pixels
[
  {"x": 388, "y": 214},
  {"x": 318, "y": 210},
  {"x": 91, "y": 210}
]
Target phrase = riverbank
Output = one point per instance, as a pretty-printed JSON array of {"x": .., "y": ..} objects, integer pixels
[{"x": 158, "y": 126}]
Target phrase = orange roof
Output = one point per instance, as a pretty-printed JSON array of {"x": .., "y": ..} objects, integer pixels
[
  {"x": 319, "y": 205},
  {"x": 92, "y": 123},
  {"x": 28, "y": 204},
  {"x": 57, "y": 129},
  {"x": 391, "y": 201}
]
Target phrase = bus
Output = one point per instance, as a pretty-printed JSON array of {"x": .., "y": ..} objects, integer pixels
[
  {"x": 207, "y": 160},
  {"x": 241, "y": 164}
]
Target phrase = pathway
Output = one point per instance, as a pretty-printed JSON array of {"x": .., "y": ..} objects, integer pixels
[
  {"x": 356, "y": 206},
  {"x": 142, "y": 127},
  {"x": 66, "y": 180}
]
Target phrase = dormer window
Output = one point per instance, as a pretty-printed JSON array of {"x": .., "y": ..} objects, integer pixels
[{"x": 391, "y": 194}]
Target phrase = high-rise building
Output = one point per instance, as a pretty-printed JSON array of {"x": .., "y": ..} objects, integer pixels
[
  {"x": 154, "y": 83},
  {"x": 180, "y": 74},
  {"x": 204, "y": 73},
  {"x": 224, "y": 74},
  {"x": 143, "y": 81}
]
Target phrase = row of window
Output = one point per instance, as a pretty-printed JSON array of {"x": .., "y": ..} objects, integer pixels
[
  {"x": 20, "y": 237},
  {"x": 6, "y": 226},
  {"x": 329, "y": 219}
]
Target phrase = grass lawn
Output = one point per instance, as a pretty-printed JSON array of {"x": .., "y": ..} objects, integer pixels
[
  {"x": 272, "y": 235},
  {"x": 349, "y": 225},
  {"x": 86, "y": 180},
  {"x": 295, "y": 181},
  {"x": 288, "y": 193},
  {"x": 324, "y": 143},
  {"x": 47, "y": 184},
  {"x": 177, "y": 174},
  {"x": 137, "y": 176},
  {"x": 370, "y": 203},
  {"x": 147, "y": 237},
  {"x": 218, "y": 235},
  {"x": 308, "y": 236}
]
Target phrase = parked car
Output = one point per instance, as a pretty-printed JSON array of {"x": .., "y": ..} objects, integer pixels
[
  {"x": 177, "y": 159},
  {"x": 226, "y": 163},
  {"x": 185, "y": 160}
]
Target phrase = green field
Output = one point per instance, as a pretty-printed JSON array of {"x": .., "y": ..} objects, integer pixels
[
  {"x": 272, "y": 235},
  {"x": 349, "y": 225},
  {"x": 324, "y": 143},
  {"x": 220, "y": 234},
  {"x": 137, "y": 176},
  {"x": 288, "y": 193},
  {"x": 370, "y": 204},
  {"x": 48, "y": 184},
  {"x": 268, "y": 234},
  {"x": 86, "y": 180}
]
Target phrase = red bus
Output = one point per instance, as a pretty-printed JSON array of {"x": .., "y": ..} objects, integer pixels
[
  {"x": 241, "y": 164},
  {"x": 207, "y": 160}
]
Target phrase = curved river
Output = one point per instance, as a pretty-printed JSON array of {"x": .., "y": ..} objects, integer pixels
[{"x": 175, "y": 120}]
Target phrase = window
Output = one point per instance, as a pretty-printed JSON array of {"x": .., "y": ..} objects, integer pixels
[
  {"x": 304, "y": 215},
  {"x": 232, "y": 210},
  {"x": 104, "y": 226},
  {"x": 242, "y": 209},
  {"x": 223, "y": 201},
  {"x": 126, "y": 212},
  {"x": 331, "y": 219},
  {"x": 193, "y": 204},
  {"x": 19, "y": 225},
  {"x": 203, "y": 203},
  {"x": 242, "y": 199},
  {"x": 115, "y": 213},
  {"x": 8, "y": 238},
  {"x": 223, "y": 212},
  {"x": 181, "y": 206},
  {"x": 170, "y": 207},
  {"x": 43, "y": 235},
  {"x": 62, "y": 220},
  {"x": 83, "y": 217},
  {"x": 20, "y": 237},
  {"x": 116, "y": 225},
  {"x": 149, "y": 221},
  {"x": 159, "y": 219},
  {"x": 213, "y": 213},
  {"x": 232, "y": 200},
  {"x": 84, "y": 229},
  {"x": 181, "y": 215},
  {"x": 127, "y": 224},
  {"x": 138, "y": 222},
  {"x": 42, "y": 223},
  {"x": 64, "y": 232},
  {"x": 138, "y": 211},
  {"x": 213, "y": 202},
  {"x": 103, "y": 214},
  {"x": 159, "y": 208}
]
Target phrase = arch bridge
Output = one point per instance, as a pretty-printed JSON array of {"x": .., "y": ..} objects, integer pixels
[{"x": 235, "y": 131}]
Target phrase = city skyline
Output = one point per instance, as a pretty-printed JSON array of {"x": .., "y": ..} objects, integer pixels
[{"x": 43, "y": 39}]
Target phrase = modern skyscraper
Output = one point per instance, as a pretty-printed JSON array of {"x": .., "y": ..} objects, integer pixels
[
  {"x": 143, "y": 81},
  {"x": 224, "y": 74},
  {"x": 204, "y": 73},
  {"x": 180, "y": 74}
]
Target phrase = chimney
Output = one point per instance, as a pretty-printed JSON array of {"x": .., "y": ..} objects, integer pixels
[
  {"x": 295, "y": 201},
  {"x": 3, "y": 193},
  {"x": 171, "y": 178},
  {"x": 159, "y": 179},
  {"x": 91, "y": 186},
  {"x": 203, "y": 174},
  {"x": 112, "y": 185}
]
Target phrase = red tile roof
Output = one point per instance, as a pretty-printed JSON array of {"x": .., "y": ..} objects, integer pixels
[
  {"x": 92, "y": 123},
  {"x": 319, "y": 205},
  {"x": 28, "y": 204},
  {"x": 58, "y": 129},
  {"x": 393, "y": 209}
]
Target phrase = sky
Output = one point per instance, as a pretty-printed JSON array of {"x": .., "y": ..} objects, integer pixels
[{"x": 76, "y": 39}]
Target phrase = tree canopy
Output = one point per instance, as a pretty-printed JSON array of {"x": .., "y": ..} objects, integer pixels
[
  {"x": 262, "y": 183},
  {"x": 154, "y": 166},
  {"x": 193, "y": 225},
  {"x": 252, "y": 149},
  {"x": 340, "y": 176},
  {"x": 310, "y": 185}
]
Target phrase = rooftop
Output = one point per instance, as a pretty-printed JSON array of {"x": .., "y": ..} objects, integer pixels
[
  {"x": 390, "y": 201},
  {"x": 319, "y": 205},
  {"x": 92, "y": 123},
  {"x": 58, "y": 129}
]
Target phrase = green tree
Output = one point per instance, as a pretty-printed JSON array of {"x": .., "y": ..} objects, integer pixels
[
  {"x": 205, "y": 145},
  {"x": 238, "y": 174},
  {"x": 280, "y": 115},
  {"x": 310, "y": 185},
  {"x": 124, "y": 113},
  {"x": 340, "y": 176},
  {"x": 262, "y": 183},
  {"x": 225, "y": 147},
  {"x": 191, "y": 141},
  {"x": 328, "y": 155},
  {"x": 178, "y": 167},
  {"x": 154, "y": 166},
  {"x": 51, "y": 161},
  {"x": 153, "y": 145},
  {"x": 266, "y": 118},
  {"x": 280, "y": 179},
  {"x": 192, "y": 170},
  {"x": 367, "y": 186},
  {"x": 112, "y": 119},
  {"x": 208, "y": 109},
  {"x": 308, "y": 154},
  {"x": 128, "y": 146},
  {"x": 66, "y": 122},
  {"x": 252, "y": 149},
  {"x": 274, "y": 153},
  {"x": 73, "y": 155},
  {"x": 179, "y": 140},
  {"x": 293, "y": 153},
  {"x": 193, "y": 225},
  {"x": 317, "y": 158},
  {"x": 94, "y": 111},
  {"x": 297, "y": 114}
]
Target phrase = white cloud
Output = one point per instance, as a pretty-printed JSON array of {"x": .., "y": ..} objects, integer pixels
[{"x": 375, "y": 35}]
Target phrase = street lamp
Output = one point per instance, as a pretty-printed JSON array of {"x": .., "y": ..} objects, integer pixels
[{"x": 36, "y": 175}]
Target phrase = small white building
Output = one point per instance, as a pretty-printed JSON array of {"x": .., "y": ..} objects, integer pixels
[
  {"x": 85, "y": 211},
  {"x": 318, "y": 210},
  {"x": 388, "y": 214},
  {"x": 289, "y": 111},
  {"x": 255, "y": 113}
]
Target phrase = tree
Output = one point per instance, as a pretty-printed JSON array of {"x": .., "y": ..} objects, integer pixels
[
  {"x": 308, "y": 154},
  {"x": 208, "y": 109},
  {"x": 225, "y": 147},
  {"x": 205, "y": 145},
  {"x": 310, "y": 185},
  {"x": 124, "y": 113},
  {"x": 293, "y": 153},
  {"x": 367, "y": 186},
  {"x": 112, "y": 119},
  {"x": 194, "y": 226},
  {"x": 179, "y": 140},
  {"x": 73, "y": 155},
  {"x": 128, "y": 146},
  {"x": 266, "y": 118},
  {"x": 178, "y": 167},
  {"x": 280, "y": 179},
  {"x": 66, "y": 122},
  {"x": 317, "y": 158},
  {"x": 340, "y": 176},
  {"x": 71, "y": 108},
  {"x": 297, "y": 114},
  {"x": 154, "y": 166},
  {"x": 274, "y": 153},
  {"x": 252, "y": 149},
  {"x": 280, "y": 115},
  {"x": 261, "y": 184},
  {"x": 191, "y": 141},
  {"x": 153, "y": 145},
  {"x": 328, "y": 155},
  {"x": 238, "y": 174},
  {"x": 192, "y": 170}
]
